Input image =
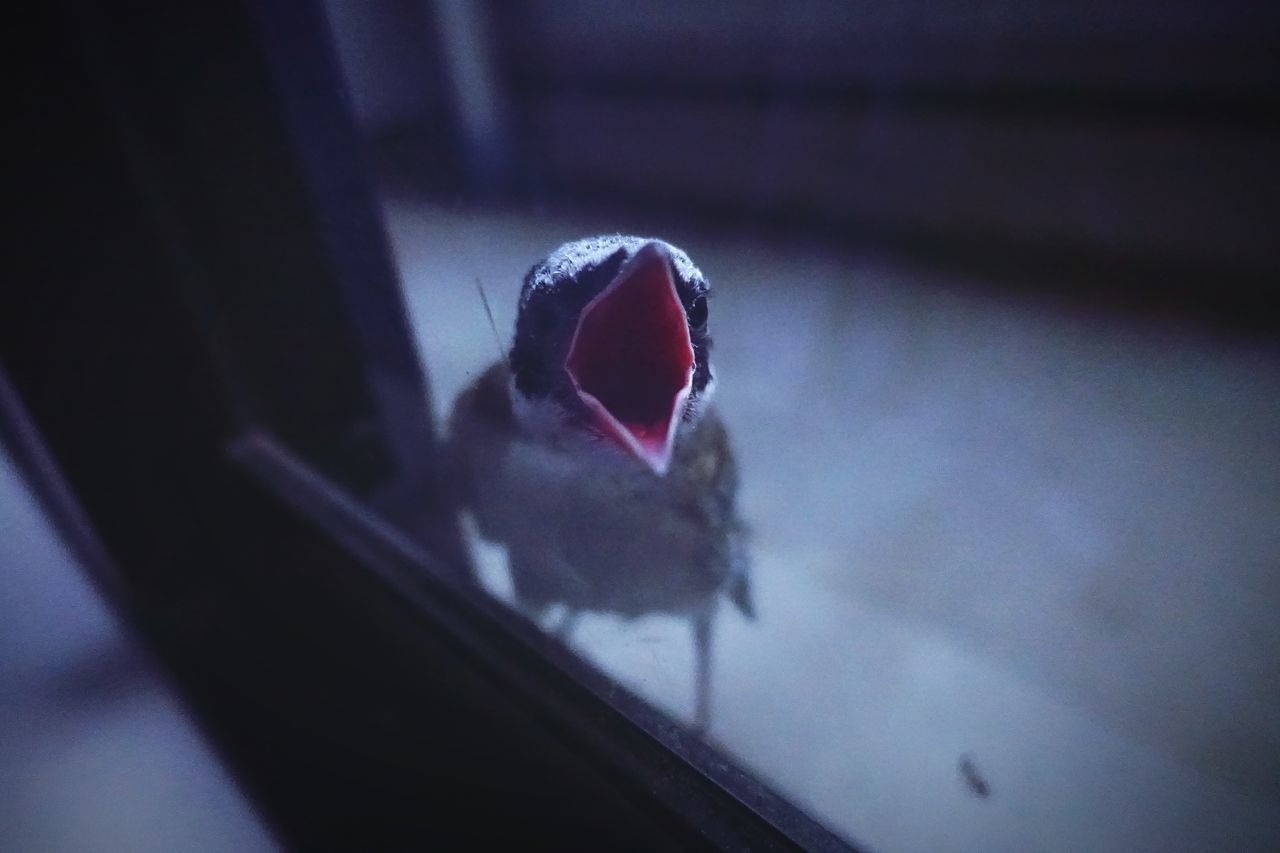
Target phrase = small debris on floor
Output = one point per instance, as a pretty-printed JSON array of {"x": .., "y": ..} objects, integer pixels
[{"x": 972, "y": 778}]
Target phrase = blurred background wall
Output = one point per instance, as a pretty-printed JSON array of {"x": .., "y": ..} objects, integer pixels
[{"x": 1130, "y": 146}]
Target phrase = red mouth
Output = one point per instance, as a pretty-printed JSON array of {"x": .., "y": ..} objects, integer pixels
[{"x": 631, "y": 360}]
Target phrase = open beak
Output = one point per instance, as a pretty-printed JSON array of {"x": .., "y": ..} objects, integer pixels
[{"x": 631, "y": 360}]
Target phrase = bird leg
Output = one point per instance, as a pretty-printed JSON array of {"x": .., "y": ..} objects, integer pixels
[{"x": 702, "y": 669}]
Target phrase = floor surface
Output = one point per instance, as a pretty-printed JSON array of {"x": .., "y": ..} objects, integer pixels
[{"x": 997, "y": 541}]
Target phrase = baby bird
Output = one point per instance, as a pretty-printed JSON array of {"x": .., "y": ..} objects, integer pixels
[{"x": 592, "y": 453}]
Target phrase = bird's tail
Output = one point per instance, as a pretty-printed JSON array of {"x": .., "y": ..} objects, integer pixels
[{"x": 742, "y": 597}]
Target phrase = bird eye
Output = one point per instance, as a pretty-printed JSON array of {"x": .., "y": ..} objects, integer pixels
[{"x": 698, "y": 313}]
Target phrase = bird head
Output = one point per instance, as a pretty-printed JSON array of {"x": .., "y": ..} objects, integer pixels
[{"x": 612, "y": 337}]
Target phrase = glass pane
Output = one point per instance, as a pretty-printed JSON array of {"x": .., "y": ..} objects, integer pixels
[{"x": 973, "y": 547}]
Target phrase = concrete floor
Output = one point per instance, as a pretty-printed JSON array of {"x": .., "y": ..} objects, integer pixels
[
  {"x": 96, "y": 753},
  {"x": 1043, "y": 539}
]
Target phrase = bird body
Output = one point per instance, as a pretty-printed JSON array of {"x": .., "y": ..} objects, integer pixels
[
  {"x": 591, "y": 528},
  {"x": 592, "y": 453}
]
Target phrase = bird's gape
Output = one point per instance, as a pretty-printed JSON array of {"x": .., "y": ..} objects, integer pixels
[{"x": 631, "y": 359}]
